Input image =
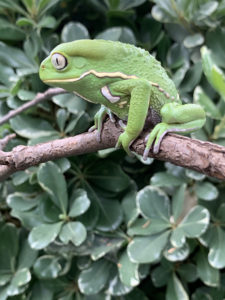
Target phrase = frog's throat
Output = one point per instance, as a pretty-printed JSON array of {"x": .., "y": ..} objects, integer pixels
[{"x": 97, "y": 74}]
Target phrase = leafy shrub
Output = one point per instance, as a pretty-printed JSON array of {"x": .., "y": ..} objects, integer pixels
[{"x": 105, "y": 226}]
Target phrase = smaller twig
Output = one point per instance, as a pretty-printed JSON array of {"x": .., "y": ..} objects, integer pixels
[
  {"x": 6, "y": 139},
  {"x": 39, "y": 98}
]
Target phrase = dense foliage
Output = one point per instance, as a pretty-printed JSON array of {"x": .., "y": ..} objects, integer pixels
[{"x": 105, "y": 225}]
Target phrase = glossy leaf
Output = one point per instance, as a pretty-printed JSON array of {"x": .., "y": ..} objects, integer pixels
[
  {"x": 147, "y": 249},
  {"x": 175, "y": 290},
  {"x": 74, "y": 31},
  {"x": 213, "y": 73},
  {"x": 210, "y": 108},
  {"x": 43, "y": 235},
  {"x": 53, "y": 182},
  {"x": 74, "y": 232},
  {"x": 79, "y": 204},
  {"x": 47, "y": 267},
  {"x": 209, "y": 275},
  {"x": 128, "y": 271},
  {"x": 206, "y": 191},
  {"x": 153, "y": 204},
  {"x": 93, "y": 279}
]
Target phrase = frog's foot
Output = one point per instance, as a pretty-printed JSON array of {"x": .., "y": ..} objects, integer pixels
[
  {"x": 98, "y": 121},
  {"x": 161, "y": 129},
  {"x": 125, "y": 140},
  {"x": 157, "y": 134}
]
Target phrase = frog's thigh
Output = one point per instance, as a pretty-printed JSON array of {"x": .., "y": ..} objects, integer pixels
[
  {"x": 174, "y": 113},
  {"x": 175, "y": 118}
]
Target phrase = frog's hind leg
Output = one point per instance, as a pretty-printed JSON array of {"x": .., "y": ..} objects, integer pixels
[{"x": 175, "y": 118}]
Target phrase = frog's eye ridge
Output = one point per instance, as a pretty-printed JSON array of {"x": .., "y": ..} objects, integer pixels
[{"x": 59, "y": 61}]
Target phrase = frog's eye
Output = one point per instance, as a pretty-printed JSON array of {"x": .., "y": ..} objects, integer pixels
[{"x": 59, "y": 61}]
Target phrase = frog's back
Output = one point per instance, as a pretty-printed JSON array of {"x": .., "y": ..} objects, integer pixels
[{"x": 133, "y": 60}]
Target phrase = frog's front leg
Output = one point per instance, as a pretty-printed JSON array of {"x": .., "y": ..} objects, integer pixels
[
  {"x": 138, "y": 90},
  {"x": 175, "y": 118},
  {"x": 98, "y": 120}
]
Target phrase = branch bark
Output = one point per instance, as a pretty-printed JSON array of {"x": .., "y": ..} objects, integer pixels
[
  {"x": 39, "y": 98},
  {"x": 204, "y": 157}
]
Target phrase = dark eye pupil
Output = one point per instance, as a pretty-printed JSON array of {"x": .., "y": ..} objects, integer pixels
[{"x": 57, "y": 61}]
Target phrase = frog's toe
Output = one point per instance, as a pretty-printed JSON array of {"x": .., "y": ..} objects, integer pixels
[
  {"x": 125, "y": 141},
  {"x": 92, "y": 128}
]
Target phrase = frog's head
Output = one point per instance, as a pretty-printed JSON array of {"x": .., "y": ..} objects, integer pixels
[{"x": 68, "y": 62}]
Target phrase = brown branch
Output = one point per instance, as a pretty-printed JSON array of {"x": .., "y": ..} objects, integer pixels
[
  {"x": 39, "y": 98},
  {"x": 204, "y": 157}
]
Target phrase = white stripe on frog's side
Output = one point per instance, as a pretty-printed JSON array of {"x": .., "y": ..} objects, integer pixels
[
  {"x": 97, "y": 74},
  {"x": 111, "y": 75},
  {"x": 106, "y": 93}
]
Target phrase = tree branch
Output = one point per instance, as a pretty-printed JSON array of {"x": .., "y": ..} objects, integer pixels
[
  {"x": 39, "y": 98},
  {"x": 204, "y": 157}
]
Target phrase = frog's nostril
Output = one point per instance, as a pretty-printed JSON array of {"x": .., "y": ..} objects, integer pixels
[{"x": 43, "y": 67}]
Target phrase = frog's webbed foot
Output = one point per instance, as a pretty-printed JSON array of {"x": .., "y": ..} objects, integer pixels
[
  {"x": 175, "y": 118},
  {"x": 157, "y": 134},
  {"x": 98, "y": 120}
]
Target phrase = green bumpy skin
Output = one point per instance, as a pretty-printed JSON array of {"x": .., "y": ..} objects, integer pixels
[{"x": 127, "y": 81}]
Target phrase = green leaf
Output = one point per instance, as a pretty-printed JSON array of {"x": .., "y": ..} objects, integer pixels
[
  {"x": 79, "y": 204},
  {"x": 206, "y": 191},
  {"x": 47, "y": 267},
  {"x": 9, "y": 237},
  {"x": 164, "y": 179},
  {"x": 103, "y": 245},
  {"x": 206, "y": 9},
  {"x": 26, "y": 255},
  {"x": 193, "y": 225},
  {"x": 41, "y": 236},
  {"x": 110, "y": 215},
  {"x": 117, "y": 288},
  {"x": 30, "y": 127},
  {"x": 129, "y": 207},
  {"x": 153, "y": 204},
  {"x": 121, "y": 34},
  {"x": 213, "y": 73},
  {"x": 108, "y": 176},
  {"x": 160, "y": 275},
  {"x": 74, "y": 31},
  {"x": 74, "y": 232},
  {"x": 194, "y": 40},
  {"x": 53, "y": 182},
  {"x": 126, "y": 4},
  {"x": 71, "y": 102},
  {"x": 92, "y": 280},
  {"x": 216, "y": 255},
  {"x": 128, "y": 271},
  {"x": 209, "y": 275},
  {"x": 192, "y": 78},
  {"x": 47, "y": 22},
  {"x": 25, "y": 22},
  {"x": 188, "y": 272},
  {"x": 61, "y": 118},
  {"x": 20, "y": 278},
  {"x": 178, "y": 202},
  {"x": 147, "y": 249},
  {"x": 175, "y": 289},
  {"x": 10, "y": 32},
  {"x": 177, "y": 254},
  {"x": 210, "y": 108},
  {"x": 22, "y": 201},
  {"x": 148, "y": 227}
]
